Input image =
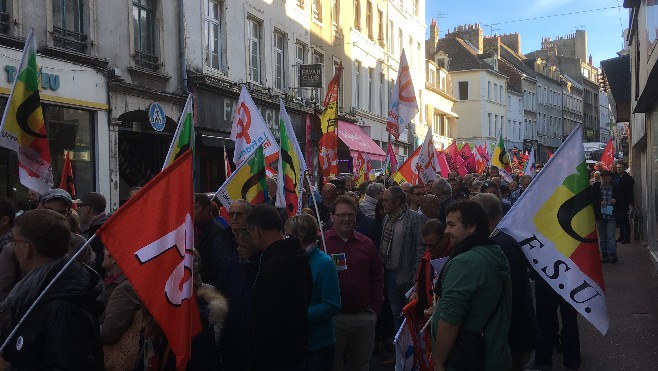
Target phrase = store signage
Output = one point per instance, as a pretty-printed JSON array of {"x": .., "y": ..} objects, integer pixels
[
  {"x": 157, "y": 116},
  {"x": 310, "y": 75},
  {"x": 49, "y": 81}
]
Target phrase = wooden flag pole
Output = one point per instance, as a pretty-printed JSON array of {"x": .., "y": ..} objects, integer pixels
[{"x": 317, "y": 212}]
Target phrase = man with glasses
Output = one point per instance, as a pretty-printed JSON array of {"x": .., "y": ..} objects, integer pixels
[
  {"x": 237, "y": 217},
  {"x": 417, "y": 192},
  {"x": 91, "y": 209},
  {"x": 360, "y": 278},
  {"x": 63, "y": 332}
]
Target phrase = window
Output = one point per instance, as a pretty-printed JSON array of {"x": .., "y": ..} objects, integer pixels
[
  {"x": 278, "y": 49},
  {"x": 213, "y": 34},
  {"x": 419, "y": 55},
  {"x": 335, "y": 12},
  {"x": 301, "y": 4},
  {"x": 495, "y": 91},
  {"x": 4, "y": 16},
  {"x": 400, "y": 40},
  {"x": 144, "y": 34},
  {"x": 415, "y": 7},
  {"x": 382, "y": 95},
  {"x": 463, "y": 90},
  {"x": 318, "y": 58},
  {"x": 369, "y": 20},
  {"x": 253, "y": 50},
  {"x": 68, "y": 23},
  {"x": 502, "y": 94},
  {"x": 357, "y": 86},
  {"x": 300, "y": 58},
  {"x": 380, "y": 27},
  {"x": 342, "y": 81},
  {"x": 371, "y": 88},
  {"x": 489, "y": 90},
  {"x": 495, "y": 125},
  {"x": 491, "y": 129},
  {"x": 357, "y": 14},
  {"x": 317, "y": 10},
  {"x": 391, "y": 37}
]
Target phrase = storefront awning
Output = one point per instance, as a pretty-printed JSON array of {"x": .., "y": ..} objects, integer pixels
[{"x": 358, "y": 141}]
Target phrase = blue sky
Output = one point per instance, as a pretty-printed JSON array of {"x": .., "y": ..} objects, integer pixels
[{"x": 603, "y": 27}]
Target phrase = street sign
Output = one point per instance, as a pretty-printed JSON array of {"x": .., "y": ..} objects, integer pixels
[
  {"x": 310, "y": 75},
  {"x": 157, "y": 116}
]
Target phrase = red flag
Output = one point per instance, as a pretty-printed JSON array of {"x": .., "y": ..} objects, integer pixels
[
  {"x": 391, "y": 160},
  {"x": 550, "y": 154},
  {"x": 608, "y": 157},
  {"x": 227, "y": 165},
  {"x": 66, "y": 181},
  {"x": 443, "y": 163},
  {"x": 329, "y": 155},
  {"x": 464, "y": 153},
  {"x": 156, "y": 256},
  {"x": 468, "y": 166},
  {"x": 451, "y": 154},
  {"x": 484, "y": 153}
]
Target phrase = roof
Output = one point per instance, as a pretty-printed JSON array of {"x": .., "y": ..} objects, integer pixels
[
  {"x": 516, "y": 60},
  {"x": 513, "y": 76},
  {"x": 618, "y": 73},
  {"x": 462, "y": 56}
]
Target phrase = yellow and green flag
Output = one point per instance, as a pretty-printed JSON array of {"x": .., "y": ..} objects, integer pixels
[
  {"x": 184, "y": 135},
  {"x": 554, "y": 223},
  {"x": 23, "y": 129},
  {"x": 292, "y": 167},
  {"x": 500, "y": 159},
  {"x": 247, "y": 182}
]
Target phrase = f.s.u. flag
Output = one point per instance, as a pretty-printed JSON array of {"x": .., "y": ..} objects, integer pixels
[
  {"x": 249, "y": 131},
  {"x": 157, "y": 257},
  {"x": 608, "y": 157},
  {"x": 66, "y": 180},
  {"x": 184, "y": 135},
  {"x": 23, "y": 129},
  {"x": 553, "y": 221},
  {"x": 248, "y": 182},
  {"x": 292, "y": 167},
  {"x": 328, "y": 145},
  {"x": 403, "y": 106},
  {"x": 501, "y": 159}
]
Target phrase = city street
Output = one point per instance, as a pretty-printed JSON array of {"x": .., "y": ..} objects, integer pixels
[{"x": 632, "y": 294}]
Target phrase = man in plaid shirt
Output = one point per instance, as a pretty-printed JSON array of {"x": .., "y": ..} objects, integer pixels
[{"x": 605, "y": 196}]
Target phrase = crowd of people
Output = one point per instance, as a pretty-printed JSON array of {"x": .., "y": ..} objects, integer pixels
[{"x": 321, "y": 290}]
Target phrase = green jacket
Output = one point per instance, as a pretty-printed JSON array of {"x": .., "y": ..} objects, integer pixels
[{"x": 471, "y": 289}]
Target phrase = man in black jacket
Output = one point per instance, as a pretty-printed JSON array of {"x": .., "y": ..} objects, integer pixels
[
  {"x": 211, "y": 240},
  {"x": 278, "y": 328},
  {"x": 625, "y": 184},
  {"x": 63, "y": 332}
]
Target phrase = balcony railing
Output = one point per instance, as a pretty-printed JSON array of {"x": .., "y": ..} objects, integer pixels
[
  {"x": 70, "y": 39},
  {"x": 4, "y": 22},
  {"x": 146, "y": 61}
]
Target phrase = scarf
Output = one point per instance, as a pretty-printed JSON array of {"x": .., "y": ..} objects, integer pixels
[
  {"x": 387, "y": 235},
  {"x": 27, "y": 289}
]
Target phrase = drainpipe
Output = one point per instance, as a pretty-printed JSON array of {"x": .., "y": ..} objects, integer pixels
[{"x": 181, "y": 55}]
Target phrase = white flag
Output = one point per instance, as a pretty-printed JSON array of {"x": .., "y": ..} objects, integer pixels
[
  {"x": 428, "y": 163},
  {"x": 530, "y": 164},
  {"x": 249, "y": 131},
  {"x": 403, "y": 106}
]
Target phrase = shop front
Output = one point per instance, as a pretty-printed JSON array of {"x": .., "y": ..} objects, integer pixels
[{"x": 75, "y": 109}]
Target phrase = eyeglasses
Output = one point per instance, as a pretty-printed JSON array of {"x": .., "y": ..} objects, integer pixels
[
  {"x": 16, "y": 240},
  {"x": 346, "y": 215}
]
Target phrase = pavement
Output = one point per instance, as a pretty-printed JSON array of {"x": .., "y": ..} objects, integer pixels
[{"x": 631, "y": 342}]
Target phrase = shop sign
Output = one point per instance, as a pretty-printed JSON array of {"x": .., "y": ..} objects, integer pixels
[
  {"x": 49, "y": 81},
  {"x": 157, "y": 116},
  {"x": 310, "y": 75}
]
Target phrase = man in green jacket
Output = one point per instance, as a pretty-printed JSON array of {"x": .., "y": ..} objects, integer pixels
[{"x": 474, "y": 289}]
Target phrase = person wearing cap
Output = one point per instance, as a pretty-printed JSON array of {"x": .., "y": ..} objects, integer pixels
[
  {"x": 488, "y": 186},
  {"x": 57, "y": 200},
  {"x": 604, "y": 197},
  {"x": 91, "y": 209}
]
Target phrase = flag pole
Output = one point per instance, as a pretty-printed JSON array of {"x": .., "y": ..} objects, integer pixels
[
  {"x": 317, "y": 212},
  {"x": 38, "y": 299}
]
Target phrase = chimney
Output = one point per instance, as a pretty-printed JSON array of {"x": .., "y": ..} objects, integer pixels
[
  {"x": 512, "y": 41},
  {"x": 471, "y": 33},
  {"x": 492, "y": 45},
  {"x": 434, "y": 32},
  {"x": 590, "y": 60}
]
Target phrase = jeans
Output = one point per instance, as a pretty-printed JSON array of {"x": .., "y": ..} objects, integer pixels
[
  {"x": 396, "y": 299},
  {"x": 320, "y": 359},
  {"x": 624, "y": 224},
  {"x": 355, "y": 340},
  {"x": 607, "y": 241},
  {"x": 548, "y": 302}
]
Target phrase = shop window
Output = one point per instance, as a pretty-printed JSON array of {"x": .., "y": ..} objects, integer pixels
[
  {"x": 69, "y": 24},
  {"x": 144, "y": 34},
  {"x": 4, "y": 16},
  {"x": 214, "y": 33},
  {"x": 68, "y": 130}
]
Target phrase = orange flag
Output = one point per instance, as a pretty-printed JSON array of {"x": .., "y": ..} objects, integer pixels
[
  {"x": 66, "y": 181},
  {"x": 156, "y": 254}
]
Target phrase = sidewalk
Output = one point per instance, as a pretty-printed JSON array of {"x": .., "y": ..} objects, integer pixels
[{"x": 632, "y": 339}]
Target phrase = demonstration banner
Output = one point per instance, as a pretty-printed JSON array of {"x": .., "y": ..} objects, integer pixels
[
  {"x": 184, "y": 135},
  {"x": 292, "y": 167},
  {"x": 553, "y": 221},
  {"x": 249, "y": 131},
  {"x": 248, "y": 181},
  {"x": 403, "y": 106},
  {"x": 328, "y": 145}
]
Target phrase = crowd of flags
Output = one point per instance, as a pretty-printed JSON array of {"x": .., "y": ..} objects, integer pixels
[{"x": 165, "y": 287}]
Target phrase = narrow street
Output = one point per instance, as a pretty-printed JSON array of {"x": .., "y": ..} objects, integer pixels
[{"x": 631, "y": 342}]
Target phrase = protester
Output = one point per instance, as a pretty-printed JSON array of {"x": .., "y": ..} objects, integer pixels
[
  {"x": 604, "y": 199},
  {"x": 524, "y": 183},
  {"x": 365, "y": 225},
  {"x": 63, "y": 332},
  {"x": 238, "y": 286},
  {"x": 7, "y": 216},
  {"x": 374, "y": 193},
  {"x": 211, "y": 241},
  {"x": 490, "y": 187},
  {"x": 407, "y": 188},
  {"x": 279, "y": 325},
  {"x": 401, "y": 249},
  {"x": 524, "y": 331},
  {"x": 458, "y": 192},
  {"x": 417, "y": 191},
  {"x": 237, "y": 216},
  {"x": 436, "y": 246},
  {"x": 33, "y": 199},
  {"x": 595, "y": 177},
  {"x": 329, "y": 194},
  {"x": 121, "y": 322},
  {"x": 475, "y": 293},
  {"x": 325, "y": 298},
  {"x": 91, "y": 209},
  {"x": 625, "y": 185},
  {"x": 429, "y": 206},
  {"x": 443, "y": 192},
  {"x": 361, "y": 282}
]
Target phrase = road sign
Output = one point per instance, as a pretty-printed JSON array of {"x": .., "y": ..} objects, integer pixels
[{"x": 157, "y": 116}]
